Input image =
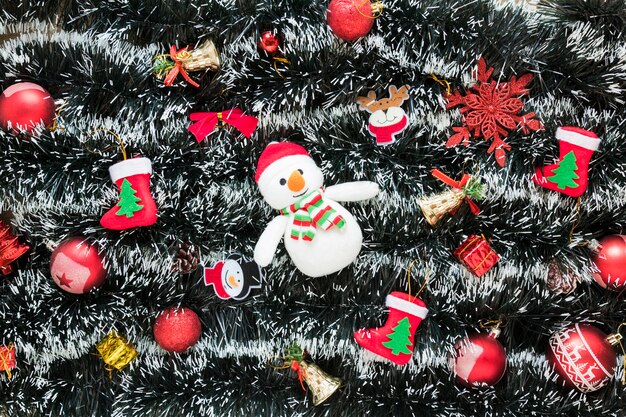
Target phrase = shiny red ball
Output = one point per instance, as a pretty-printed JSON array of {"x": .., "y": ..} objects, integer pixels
[
  {"x": 350, "y": 19},
  {"x": 582, "y": 356},
  {"x": 76, "y": 266},
  {"x": 25, "y": 105},
  {"x": 611, "y": 262},
  {"x": 269, "y": 42},
  {"x": 479, "y": 360},
  {"x": 177, "y": 329}
]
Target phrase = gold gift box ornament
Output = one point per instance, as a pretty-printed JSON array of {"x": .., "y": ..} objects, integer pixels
[
  {"x": 321, "y": 384},
  {"x": 436, "y": 206},
  {"x": 167, "y": 67},
  {"x": 116, "y": 352}
]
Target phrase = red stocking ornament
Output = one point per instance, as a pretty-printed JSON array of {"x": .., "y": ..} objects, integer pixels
[
  {"x": 394, "y": 341},
  {"x": 570, "y": 174},
  {"x": 136, "y": 206}
]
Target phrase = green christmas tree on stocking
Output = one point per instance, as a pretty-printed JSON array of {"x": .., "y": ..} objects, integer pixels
[
  {"x": 399, "y": 341},
  {"x": 128, "y": 200},
  {"x": 565, "y": 172}
]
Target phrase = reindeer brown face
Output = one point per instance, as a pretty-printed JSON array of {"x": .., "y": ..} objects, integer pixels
[{"x": 387, "y": 117}]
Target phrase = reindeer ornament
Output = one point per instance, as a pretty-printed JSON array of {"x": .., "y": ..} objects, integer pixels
[{"x": 387, "y": 118}]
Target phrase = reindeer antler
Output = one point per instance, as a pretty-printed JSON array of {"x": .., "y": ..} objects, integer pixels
[
  {"x": 367, "y": 103},
  {"x": 398, "y": 95}
]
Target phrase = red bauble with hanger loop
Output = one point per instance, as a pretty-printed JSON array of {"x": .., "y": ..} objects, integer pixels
[
  {"x": 352, "y": 19},
  {"x": 23, "y": 106}
]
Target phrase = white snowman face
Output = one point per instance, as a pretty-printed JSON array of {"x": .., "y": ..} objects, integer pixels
[
  {"x": 232, "y": 277},
  {"x": 289, "y": 179},
  {"x": 381, "y": 118}
]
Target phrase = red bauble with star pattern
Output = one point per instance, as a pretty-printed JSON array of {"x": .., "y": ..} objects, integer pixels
[
  {"x": 582, "y": 356},
  {"x": 77, "y": 266},
  {"x": 479, "y": 360},
  {"x": 177, "y": 329},
  {"x": 611, "y": 263},
  {"x": 26, "y": 105}
]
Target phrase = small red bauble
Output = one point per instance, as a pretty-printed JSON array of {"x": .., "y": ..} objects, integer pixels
[
  {"x": 350, "y": 19},
  {"x": 76, "y": 266},
  {"x": 269, "y": 42},
  {"x": 177, "y": 329},
  {"x": 479, "y": 360},
  {"x": 25, "y": 105},
  {"x": 582, "y": 356},
  {"x": 611, "y": 263}
]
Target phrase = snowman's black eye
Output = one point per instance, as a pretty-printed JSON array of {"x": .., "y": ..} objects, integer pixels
[
  {"x": 301, "y": 171},
  {"x": 283, "y": 181}
]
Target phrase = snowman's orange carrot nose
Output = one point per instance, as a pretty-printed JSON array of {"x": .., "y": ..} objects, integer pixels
[
  {"x": 233, "y": 283},
  {"x": 296, "y": 181}
]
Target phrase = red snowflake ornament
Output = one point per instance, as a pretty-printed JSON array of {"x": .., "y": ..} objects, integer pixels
[{"x": 491, "y": 110}]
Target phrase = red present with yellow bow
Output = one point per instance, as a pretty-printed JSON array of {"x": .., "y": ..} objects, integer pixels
[
  {"x": 477, "y": 255},
  {"x": 7, "y": 359}
]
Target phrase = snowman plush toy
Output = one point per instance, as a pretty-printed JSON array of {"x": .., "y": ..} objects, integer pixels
[{"x": 320, "y": 235}]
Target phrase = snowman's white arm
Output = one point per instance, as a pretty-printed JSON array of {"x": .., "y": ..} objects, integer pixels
[
  {"x": 268, "y": 242},
  {"x": 352, "y": 191}
]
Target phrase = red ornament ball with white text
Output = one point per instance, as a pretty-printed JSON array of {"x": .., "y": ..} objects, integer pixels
[
  {"x": 582, "y": 356},
  {"x": 177, "y": 329},
  {"x": 479, "y": 360},
  {"x": 26, "y": 105},
  {"x": 76, "y": 266},
  {"x": 269, "y": 42},
  {"x": 350, "y": 19},
  {"x": 611, "y": 263}
]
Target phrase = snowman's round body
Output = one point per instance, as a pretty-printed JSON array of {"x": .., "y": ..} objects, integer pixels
[{"x": 330, "y": 250}]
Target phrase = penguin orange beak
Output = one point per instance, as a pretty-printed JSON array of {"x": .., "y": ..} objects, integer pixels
[
  {"x": 232, "y": 282},
  {"x": 295, "y": 181}
]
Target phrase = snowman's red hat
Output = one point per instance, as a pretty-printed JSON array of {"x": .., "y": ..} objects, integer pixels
[{"x": 275, "y": 151}]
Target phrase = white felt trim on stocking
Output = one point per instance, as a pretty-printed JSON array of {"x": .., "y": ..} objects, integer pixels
[
  {"x": 578, "y": 139},
  {"x": 406, "y": 306},
  {"x": 129, "y": 168}
]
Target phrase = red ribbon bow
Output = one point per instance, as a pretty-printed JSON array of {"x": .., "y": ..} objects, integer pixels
[
  {"x": 207, "y": 121},
  {"x": 459, "y": 185},
  {"x": 295, "y": 366},
  {"x": 178, "y": 68}
]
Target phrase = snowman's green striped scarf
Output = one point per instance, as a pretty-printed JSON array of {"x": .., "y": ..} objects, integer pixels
[{"x": 311, "y": 212}]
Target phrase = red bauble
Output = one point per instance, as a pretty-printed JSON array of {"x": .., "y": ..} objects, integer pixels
[
  {"x": 177, "y": 329},
  {"x": 76, "y": 266},
  {"x": 582, "y": 356},
  {"x": 25, "y": 105},
  {"x": 479, "y": 360},
  {"x": 350, "y": 19},
  {"x": 269, "y": 42},
  {"x": 611, "y": 262}
]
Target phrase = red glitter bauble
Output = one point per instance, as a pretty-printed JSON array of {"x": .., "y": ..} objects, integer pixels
[
  {"x": 269, "y": 42},
  {"x": 25, "y": 105},
  {"x": 611, "y": 263},
  {"x": 479, "y": 360},
  {"x": 350, "y": 19},
  {"x": 177, "y": 329},
  {"x": 582, "y": 356},
  {"x": 76, "y": 266}
]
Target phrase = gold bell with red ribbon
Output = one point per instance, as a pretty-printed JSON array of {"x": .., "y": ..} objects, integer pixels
[
  {"x": 167, "y": 67},
  {"x": 436, "y": 206},
  {"x": 321, "y": 384}
]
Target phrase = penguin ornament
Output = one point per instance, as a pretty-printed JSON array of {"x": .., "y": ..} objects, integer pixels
[
  {"x": 234, "y": 277},
  {"x": 320, "y": 235}
]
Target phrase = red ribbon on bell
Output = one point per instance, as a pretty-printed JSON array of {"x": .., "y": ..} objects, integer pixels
[
  {"x": 465, "y": 179},
  {"x": 295, "y": 366},
  {"x": 206, "y": 122},
  {"x": 178, "y": 67}
]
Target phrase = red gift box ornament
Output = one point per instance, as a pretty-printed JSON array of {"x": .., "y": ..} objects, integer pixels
[
  {"x": 436, "y": 206},
  {"x": 7, "y": 359},
  {"x": 477, "y": 255}
]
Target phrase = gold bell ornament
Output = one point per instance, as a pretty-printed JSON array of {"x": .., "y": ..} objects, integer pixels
[
  {"x": 436, "y": 206},
  {"x": 321, "y": 384},
  {"x": 167, "y": 67}
]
